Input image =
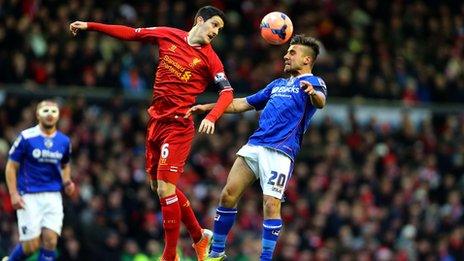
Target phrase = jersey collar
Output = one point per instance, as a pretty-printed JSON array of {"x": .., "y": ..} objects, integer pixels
[{"x": 44, "y": 134}]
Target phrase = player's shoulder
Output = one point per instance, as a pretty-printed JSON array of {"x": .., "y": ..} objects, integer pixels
[
  {"x": 170, "y": 30},
  {"x": 314, "y": 80},
  {"x": 279, "y": 81},
  {"x": 31, "y": 132},
  {"x": 60, "y": 135}
]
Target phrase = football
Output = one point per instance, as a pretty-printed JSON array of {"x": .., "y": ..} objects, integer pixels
[{"x": 276, "y": 28}]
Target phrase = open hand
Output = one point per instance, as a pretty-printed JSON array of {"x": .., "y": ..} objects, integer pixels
[
  {"x": 206, "y": 126},
  {"x": 77, "y": 26}
]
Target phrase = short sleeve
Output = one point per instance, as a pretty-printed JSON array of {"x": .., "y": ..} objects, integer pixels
[
  {"x": 67, "y": 153},
  {"x": 259, "y": 99},
  {"x": 319, "y": 84},
  {"x": 17, "y": 150}
]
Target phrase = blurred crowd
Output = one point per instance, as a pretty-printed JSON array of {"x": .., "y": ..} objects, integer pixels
[
  {"x": 403, "y": 50},
  {"x": 358, "y": 192}
]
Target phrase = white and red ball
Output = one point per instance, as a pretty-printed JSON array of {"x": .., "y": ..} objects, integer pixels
[{"x": 276, "y": 28}]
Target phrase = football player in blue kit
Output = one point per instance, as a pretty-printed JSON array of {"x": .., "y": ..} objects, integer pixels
[
  {"x": 287, "y": 105},
  {"x": 37, "y": 170}
]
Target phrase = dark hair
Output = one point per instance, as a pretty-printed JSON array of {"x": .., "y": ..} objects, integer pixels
[
  {"x": 308, "y": 41},
  {"x": 209, "y": 11}
]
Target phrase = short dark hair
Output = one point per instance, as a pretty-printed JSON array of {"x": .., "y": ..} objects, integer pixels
[
  {"x": 308, "y": 41},
  {"x": 209, "y": 11}
]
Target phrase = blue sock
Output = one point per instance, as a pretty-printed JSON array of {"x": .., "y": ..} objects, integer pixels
[
  {"x": 46, "y": 255},
  {"x": 17, "y": 253},
  {"x": 271, "y": 230},
  {"x": 223, "y": 222}
]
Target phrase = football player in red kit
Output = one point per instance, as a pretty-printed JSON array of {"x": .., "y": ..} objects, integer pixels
[{"x": 187, "y": 64}]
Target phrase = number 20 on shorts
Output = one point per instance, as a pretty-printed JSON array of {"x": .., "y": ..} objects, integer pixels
[{"x": 280, "y": 179}]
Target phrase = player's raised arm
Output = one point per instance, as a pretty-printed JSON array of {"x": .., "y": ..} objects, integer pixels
[{"x": 118, "y": 31}]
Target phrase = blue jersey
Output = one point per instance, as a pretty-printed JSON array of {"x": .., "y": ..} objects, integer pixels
[
  {"x": 40, "y": 159},
  {"x": 286, "y": 115}
]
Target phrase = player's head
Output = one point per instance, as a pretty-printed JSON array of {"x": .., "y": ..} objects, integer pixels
[
  {"x": 301, "y": 54},
  {"x": 48, "y": 113},
  {"x": 208, "y": 21}
]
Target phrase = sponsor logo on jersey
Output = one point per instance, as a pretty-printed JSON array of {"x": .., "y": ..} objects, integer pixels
[
  {"x": 46, "y": 155},
  {"x": 285, "y": 89},
  {"x": 174, "y": 67}
]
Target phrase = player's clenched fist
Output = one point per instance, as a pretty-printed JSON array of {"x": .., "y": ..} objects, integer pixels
[
  {"x": 76, "y": 26},
  {"x": 206, "y": 126}
]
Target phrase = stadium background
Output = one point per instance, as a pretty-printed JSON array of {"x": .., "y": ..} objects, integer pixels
[{"x": 380, "y": 175}]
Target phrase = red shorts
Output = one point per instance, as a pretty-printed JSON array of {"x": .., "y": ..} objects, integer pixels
[{"x": 168, "y": 143}]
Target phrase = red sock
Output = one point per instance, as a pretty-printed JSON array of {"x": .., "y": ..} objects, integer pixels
[
  {"x": 170, "y": 209},
  {"x": 188, "y": 217}
]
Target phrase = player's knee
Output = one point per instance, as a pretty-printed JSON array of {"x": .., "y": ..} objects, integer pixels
[
  {"x": 31, "y": 246},
  {"x": 165, "y": 189},
  {"x": 228, "y": 199},
  {"x": 50, "y": 242},
  {"x": 271, "y": 207}
]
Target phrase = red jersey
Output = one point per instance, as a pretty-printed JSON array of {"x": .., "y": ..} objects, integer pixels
[{"x": 183, "y": 70}]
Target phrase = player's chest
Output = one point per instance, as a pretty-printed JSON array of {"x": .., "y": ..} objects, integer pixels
[
  {"x": 182, "y": 58},
  {"x": 45, "y": 150}
]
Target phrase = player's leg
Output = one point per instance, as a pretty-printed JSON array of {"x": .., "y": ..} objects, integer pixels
[
  {"x": 52, "y": 223},
  {"x": 174, "y": 150},
  {"x": 29, "y": 228},
  {"x": 179, "y": 138},
  {"x": 272, "y": 224},
  {"x": 240, "y": 177},
  {"x": 275, "y": 170},
  {"x": 49, "y": 242},
  {"x": 164, "y": 189}
]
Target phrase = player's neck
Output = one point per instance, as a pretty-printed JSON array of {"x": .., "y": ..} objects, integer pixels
[
  {"x": 47, "y": 131},
  {"x": 191, "y": 38},
  {"x": 301, "y": 72}
]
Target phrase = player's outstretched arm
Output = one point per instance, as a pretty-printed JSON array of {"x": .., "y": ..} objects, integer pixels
[
  {"x": 117, "y": 31},
  {"x": 238, "y": 105}
]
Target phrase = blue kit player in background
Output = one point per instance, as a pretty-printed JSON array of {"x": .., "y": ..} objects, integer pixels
[
  {"x": 37, "y": 170},
  {"x": 287, "y": 105}
]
